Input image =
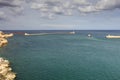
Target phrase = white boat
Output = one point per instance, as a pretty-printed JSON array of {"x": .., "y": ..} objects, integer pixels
[
  {"x": 73, "y": 32},
  {"x": 112, "y": 36},
  {"x": 89, "y": 35},
  {"x": 26, "y": 34}
]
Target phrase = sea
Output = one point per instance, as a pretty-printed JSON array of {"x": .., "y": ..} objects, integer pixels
[{"x": 63, "y": 56}]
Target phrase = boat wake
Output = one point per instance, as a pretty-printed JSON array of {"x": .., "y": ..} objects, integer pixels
[{"x": 40, "y": 34}]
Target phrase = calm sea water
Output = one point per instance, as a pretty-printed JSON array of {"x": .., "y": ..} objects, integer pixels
[{"x": 64, "y": 57}]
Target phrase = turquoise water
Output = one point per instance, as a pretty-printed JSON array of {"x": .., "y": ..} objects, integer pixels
[{"x": 64, "y": 57}]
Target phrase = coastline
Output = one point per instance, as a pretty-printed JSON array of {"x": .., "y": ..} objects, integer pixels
[
  {"x": 3, "y": 38},
  {"x": 5, "y": 70}
]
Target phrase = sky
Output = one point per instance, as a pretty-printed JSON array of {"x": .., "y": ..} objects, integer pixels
[{"x": 59, "y": 14}]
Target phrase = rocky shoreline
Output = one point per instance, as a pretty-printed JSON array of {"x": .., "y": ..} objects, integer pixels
[
  {"x": 3, "y": 38},
  {"x": 6, "y": 71}
]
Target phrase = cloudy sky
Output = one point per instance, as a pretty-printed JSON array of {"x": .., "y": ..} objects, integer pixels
[{"x": 59, "y": 14}]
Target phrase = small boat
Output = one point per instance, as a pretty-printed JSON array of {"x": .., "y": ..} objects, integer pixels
[
  {"x": 73, "y": 32},
  {"x": 26, "y": 34},
  {"x": 89, "y": 35},
  {"x": 112, "y": 36}
]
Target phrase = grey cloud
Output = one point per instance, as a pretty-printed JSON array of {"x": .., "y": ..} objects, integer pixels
[
  {"x": 52, "y": 8},
  {"x": 2, "y": 15},
  {"x": 52, "y": 3},
  {"x": 11, "y": 7},
  {"x": 102, "y": 5},
  {"x": 88, "y": 9},
  {"x": 62, "y": 7},
  {"x": 3, "y": 4},
  {"x": 80, "y": 2},
  {"x": 10, "y": 3},
  {"x": 108, "y": 4},
  {"x": 58, "y": 7}
]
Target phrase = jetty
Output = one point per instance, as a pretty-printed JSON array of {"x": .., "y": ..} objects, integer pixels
[
  {"x": 3, "y": 38},
  {"x": 6, "y": 71},
  {"x": 112, "y": 37}
]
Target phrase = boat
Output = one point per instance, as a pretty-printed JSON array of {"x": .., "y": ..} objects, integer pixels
[
  {"x": 26, "y": 34},
  {"x": 89, "y": 35},
  {"x": 112, "y": 36},
  {"x": 73, "y": 32}
]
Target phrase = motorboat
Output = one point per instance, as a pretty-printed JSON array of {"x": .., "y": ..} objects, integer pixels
[
  {"x": 26, "y": 34},
  {"x": 89, "y": 35},
  {"x": 73, "y": 32}
]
